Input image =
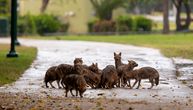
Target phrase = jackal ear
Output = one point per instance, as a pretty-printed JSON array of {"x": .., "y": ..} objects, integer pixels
[
  {"x": 120, "y": 53},
  {"x": 129, "y": 61},
  {"x": 114, "y": 54},
  {"x": 92, "y": 64},
  {"x": 96, "y": 64}
]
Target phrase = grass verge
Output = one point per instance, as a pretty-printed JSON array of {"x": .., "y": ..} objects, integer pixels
[
  {"x": 172, "y": 45},
  {"x": 12, "y": 68}
]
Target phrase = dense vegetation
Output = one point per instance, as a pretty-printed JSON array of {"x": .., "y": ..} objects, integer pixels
[
  {"x": 121, "y": 24},
  {"x": 41, "y": 24}
]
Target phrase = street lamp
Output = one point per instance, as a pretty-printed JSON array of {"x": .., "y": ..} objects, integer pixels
[
  {"x": 16, "y": 40},
  {"x": 12, "y": 52}
]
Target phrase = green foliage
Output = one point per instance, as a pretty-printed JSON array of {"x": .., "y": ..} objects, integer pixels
[
  {"x": 47, "y": 24},
  {"x": 41, "y": 24},
  {"x": 104, "y": 26},
  {"x": 12, "y": 68},
  {"x": 143, "y": 24},
  {"x": 91, "y": 24},
  {"x": 124, "y": 23},
  {"x": 104, "y": 8},
  {"x": 26, "y": 25},
  {"x": 4, "y": 7},
  {"x": 64, "y": 27}
]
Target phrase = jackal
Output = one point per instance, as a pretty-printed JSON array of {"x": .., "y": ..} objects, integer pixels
[
  {"x": 122, "y": 68},
  {"x": 143, "y": 73},
  {"x": 75, "y": 81},
  {"x": 52, "y": 75},
  {"x": 109, "y": 77}
]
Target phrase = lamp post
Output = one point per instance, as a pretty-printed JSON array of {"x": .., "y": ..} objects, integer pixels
[
  {"x": 12, "y": 52},
  {"x": 16, "y": 40}
]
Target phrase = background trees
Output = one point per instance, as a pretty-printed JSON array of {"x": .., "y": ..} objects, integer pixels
[{"x": 180, "y": 26}]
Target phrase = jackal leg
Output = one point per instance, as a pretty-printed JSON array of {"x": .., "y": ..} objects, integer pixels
[
  {"x": 76, "y": 92},
  {"x": 67, "y": 91},
  {"x": 71, "y": 92},
  {"x": 58, "y": 82},
  {"x": 152, "y": 83},
  {"x": 139, "y": 83},
  {"x": 136, "y": 80},
  {"x": 51, "y": 84}
]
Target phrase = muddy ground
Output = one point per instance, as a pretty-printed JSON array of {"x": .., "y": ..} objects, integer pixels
[
  {"x": 29, "y": 91},
  {"x": 21, "y": 101}
]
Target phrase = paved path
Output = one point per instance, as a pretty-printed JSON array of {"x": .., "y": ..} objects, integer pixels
[{"x": 54, "y": 52}]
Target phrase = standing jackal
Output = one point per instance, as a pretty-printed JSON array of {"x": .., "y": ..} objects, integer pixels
[
  {"x": 109, "y": 77},
  {"x": 50, "y": 76},
  {"x": 123, "y": 68},
  {"x": 143, "y": 73},
  {"x": 75, "y": 81}
]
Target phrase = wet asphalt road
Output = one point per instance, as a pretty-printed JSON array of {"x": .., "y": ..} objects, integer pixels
[{"x": 52, "y": 53}]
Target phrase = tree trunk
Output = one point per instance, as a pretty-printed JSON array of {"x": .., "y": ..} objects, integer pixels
[
  {"x": 44, "y": 5},
  {"x": 179, "y": 25},
  {"x": 165, "y": 17},
  {"x": 178, "y": 18}
]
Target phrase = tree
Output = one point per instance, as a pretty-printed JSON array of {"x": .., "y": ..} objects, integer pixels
[
  {"x": 104, "y": 8},
  {"x": 178, "y": 4},
  {"x": 44, "y": 5},
  {"x": 165, "y": 16}
]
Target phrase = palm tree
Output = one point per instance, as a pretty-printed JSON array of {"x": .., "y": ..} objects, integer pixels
[{"x": 104, "y": 8}]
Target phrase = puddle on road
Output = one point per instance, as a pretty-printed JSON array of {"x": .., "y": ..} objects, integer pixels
[{"x": 184, "y": 71}]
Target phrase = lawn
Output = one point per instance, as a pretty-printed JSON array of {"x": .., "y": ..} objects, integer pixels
[
  {"x": 12, "y": 68},
  {"x": 172, "y": 45}
]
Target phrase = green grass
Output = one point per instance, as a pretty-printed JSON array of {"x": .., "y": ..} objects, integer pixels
[
  {"x": 158, "y": 26},
  {"x": 173, "y": 45},
  {"x": 12, "y": 68}
]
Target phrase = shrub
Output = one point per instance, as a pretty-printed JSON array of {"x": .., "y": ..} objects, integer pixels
[
  {"x": 26, "y": 25},
  {"x": 4, "y": 8},
  {"x": 91, "y": 24},
  {"x": 64, "y": 27},
  {"x": 143, "y": 24},
  {"x": 104, "y": 26},
  {"x": 41, "y": 24},
  {"x": 47, "y": 24},
  {"x": 124, "y": 24}
]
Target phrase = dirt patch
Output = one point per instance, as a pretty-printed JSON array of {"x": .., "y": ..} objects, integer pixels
[{"x": 19, "y": 101}]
